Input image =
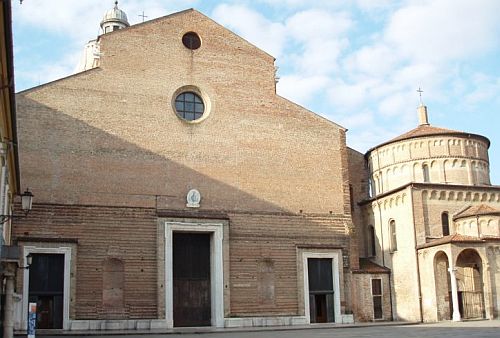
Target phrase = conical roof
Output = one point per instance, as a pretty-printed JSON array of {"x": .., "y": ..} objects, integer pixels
[{"x": 425, "y": 129}]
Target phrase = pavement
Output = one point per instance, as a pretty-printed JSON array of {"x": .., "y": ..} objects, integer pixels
[{"x": 465, "y": 329}]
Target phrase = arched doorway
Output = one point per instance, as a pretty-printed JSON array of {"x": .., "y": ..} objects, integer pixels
[
  {"x": 470, "y": 284},
  {"x": 442, "y": 286}
]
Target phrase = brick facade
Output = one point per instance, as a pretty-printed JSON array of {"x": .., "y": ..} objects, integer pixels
[{"x": 110, "y": 163}]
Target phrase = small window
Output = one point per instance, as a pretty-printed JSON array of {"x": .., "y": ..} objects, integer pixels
[
  {"x": 392, "y": 231},
  {"x": 445, "y": 223},
  {"x": 377, "y": 298},
  {"x": 372, "y": 252},
  {"x": 189, "y": 106},
  {"x": 115, "y": 28},
  {"x": 425, "y": 170},
  {"x": 191, "y": 40}
]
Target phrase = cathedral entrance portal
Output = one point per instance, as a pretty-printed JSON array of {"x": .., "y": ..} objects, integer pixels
[
  {"x": 194, "y": 280},
  {"x": 191, "y": 279}
]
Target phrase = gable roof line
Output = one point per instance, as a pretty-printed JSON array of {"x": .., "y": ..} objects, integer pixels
[
  {"x": 161, "y": 18},
  {"x": 27, "y": 90},
  {"x": 313, "y": 113}
]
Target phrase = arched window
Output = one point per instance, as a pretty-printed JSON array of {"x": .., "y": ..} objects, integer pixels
[
  {"x": 425, "y": 171},
  {"x": 372, "y": 252},
  {"x": 392, "y": 231},
  {"x": 445, "y": 223}
]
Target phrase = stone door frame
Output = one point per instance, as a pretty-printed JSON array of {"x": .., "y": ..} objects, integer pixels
[
  {"x": 66, "y": 251},
  {"x": 216, "y": 267},
  {"x": 335, "y": 257}
]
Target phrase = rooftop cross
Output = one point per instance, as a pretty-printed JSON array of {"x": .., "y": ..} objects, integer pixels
[
  {"x": 143, "y": 16},
  {"x": 420, "y": 91}
]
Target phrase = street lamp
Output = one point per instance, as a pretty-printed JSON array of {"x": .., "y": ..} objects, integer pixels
[
  {"x": 26, "y": 201},
  {"x": 26, "y": 204},
  {"x": 29, "y": 261}
]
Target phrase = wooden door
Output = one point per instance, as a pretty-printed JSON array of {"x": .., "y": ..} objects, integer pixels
[
  {"x": 191, "y": 279},
  {"x": 46, "y": 288},
  {"x": 321, "y": 293}
]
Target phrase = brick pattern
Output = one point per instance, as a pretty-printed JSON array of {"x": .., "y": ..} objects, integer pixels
[
  {"x": 107, "y": 144},
  {"x": 102, "y": 233},
  {"x": 257, "y": 237}
]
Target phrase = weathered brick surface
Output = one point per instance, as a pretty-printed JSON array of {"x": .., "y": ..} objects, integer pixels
[
  {"x": 96, "y": 138},
  {"x": 101, "y": 233},
  {"x": 363, "y": 284},
  {"x": 104, "y": 151}
]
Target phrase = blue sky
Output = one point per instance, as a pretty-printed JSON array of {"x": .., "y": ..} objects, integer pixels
[{"x": 358, "y": 63}]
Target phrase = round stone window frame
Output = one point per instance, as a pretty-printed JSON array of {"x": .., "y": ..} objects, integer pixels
[
  {"x": 204, "y": 97},
  {"x": 194, "y": 34}
]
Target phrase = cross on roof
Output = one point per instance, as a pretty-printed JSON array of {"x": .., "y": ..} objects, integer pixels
[
  {"x": 420, "y": 91},
  {"x": 143, "y": 16}
]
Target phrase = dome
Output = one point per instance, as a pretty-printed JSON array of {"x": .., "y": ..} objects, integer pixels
[
  {"x": 426, "y": 130},
  {"x": 115, "y": 16}
]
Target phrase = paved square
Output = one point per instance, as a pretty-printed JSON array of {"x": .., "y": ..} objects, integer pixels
[{"x": 471, "y": 329}]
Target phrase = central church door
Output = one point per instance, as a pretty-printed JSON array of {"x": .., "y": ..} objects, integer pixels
[{"x": 191, "y": 279}]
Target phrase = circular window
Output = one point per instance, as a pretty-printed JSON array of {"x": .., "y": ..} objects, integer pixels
[
  {"x": 189, "y": 106},
  {"x": 191, "y": 40}
]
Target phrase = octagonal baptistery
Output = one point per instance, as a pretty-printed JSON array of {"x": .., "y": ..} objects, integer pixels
[{"x": 431, "y": 155}]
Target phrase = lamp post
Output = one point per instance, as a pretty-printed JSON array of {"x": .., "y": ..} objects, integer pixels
[
  {"x": 29, "y": 261},
  {"x": 26, "y": 204}
]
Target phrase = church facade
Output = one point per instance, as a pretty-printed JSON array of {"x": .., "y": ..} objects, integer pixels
[{"x": 175, "y": 188}]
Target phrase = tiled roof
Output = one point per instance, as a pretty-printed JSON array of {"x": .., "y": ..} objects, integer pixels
[
  {"x": 425, "y": 130},
  {"x": 428, "y": 130},
  {"x": 367, "y": 266},
  {"x": 456, "y": 238},
  {"x": 477, "y": 210}
]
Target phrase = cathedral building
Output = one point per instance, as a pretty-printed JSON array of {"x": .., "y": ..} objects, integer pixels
[{"x": 175, "y": 188}]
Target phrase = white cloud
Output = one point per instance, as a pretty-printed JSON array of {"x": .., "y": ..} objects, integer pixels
[
  {"x": 442, "y": 30},
  {"x": 80, "y": 19},
  {"x": 346, "y": 95},
  {"x": 484, "y": 88},
  {"x": 374, "y": 5},
  {"x": 301, "y": 89},
  {"x": 265, "y": 34},
  {"x": 376, "y": 60},
  {"x": 314, "y": 25},
  {"x": 64, "y": 66},
  {"x": 364, "y": 119},
  {"x": 321, "y": 39}
]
